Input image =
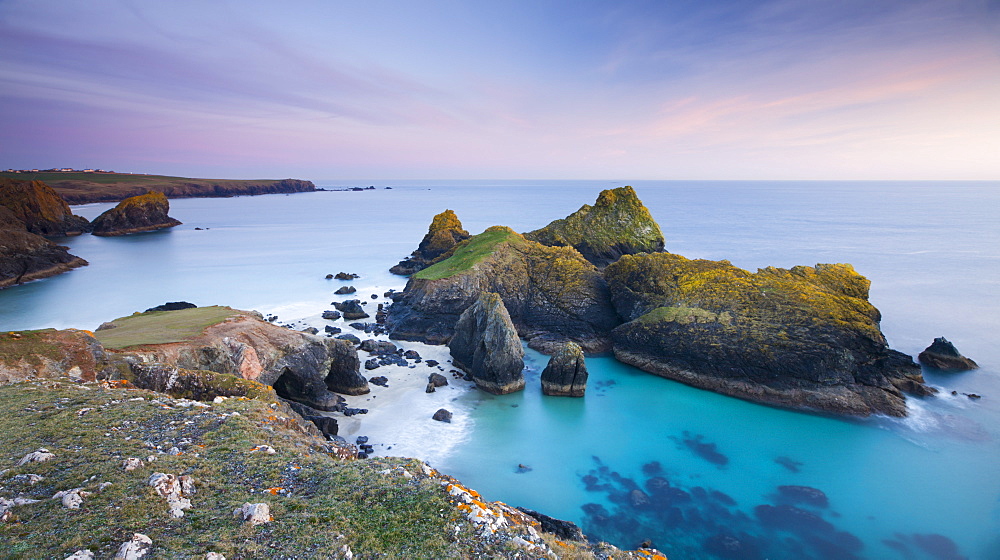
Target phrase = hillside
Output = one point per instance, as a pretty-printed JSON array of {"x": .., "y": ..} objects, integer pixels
[{"x": 82, "y": 188}]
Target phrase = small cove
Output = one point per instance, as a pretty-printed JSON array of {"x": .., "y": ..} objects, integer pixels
[{"x": 930, "y": 250}]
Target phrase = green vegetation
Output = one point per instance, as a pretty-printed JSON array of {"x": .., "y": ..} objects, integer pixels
[
  {"x": 318, "y": 503},
  {"x": 684, "y": 316},
  {"x": 162, "y": 327},
  {"x": 54, "y": 178},
  {"x": 29, "y": 345},
  {"x": 469, "y": 252}
]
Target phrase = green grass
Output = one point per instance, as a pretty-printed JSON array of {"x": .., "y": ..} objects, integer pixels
[
  {"x": 468, "y": 253},
  {"x": 162, "y": 327}
]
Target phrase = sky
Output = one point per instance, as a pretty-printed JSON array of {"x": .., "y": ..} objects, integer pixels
[{"x": 511, "y": 89}]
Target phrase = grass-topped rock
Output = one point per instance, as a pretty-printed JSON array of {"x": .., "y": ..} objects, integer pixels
[
  {"x": 444, "y": 233},
  {"x": 551, "y": 293},
  {"x": 617, "y": 224},
  {"x": 802, "y": 338},
  {"x": 145, "y": 212}
]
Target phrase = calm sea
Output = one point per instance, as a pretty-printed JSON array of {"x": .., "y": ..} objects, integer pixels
[{"x": 698, "y": 474}]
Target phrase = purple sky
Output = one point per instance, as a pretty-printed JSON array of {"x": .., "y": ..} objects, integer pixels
[{"x": 575, "y": 89}]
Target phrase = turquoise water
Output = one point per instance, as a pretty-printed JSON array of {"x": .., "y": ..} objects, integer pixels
[{"x": 924, "y": 487}]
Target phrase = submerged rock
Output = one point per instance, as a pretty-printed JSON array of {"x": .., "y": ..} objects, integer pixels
[
  {"x": 566, "y": 373},
  {"x": 943, "y": 355},
  {"x": 145, "y": 212},
  {"x": 552, "y": 294},
  {"x": 486, "y": 346},
  {"x": 804, "y": 338},
  {"x": 617, "y": 224},
  {"x": 444, "y": 233}
]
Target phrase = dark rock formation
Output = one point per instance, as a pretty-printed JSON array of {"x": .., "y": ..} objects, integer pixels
[
  {"x": 943, "y": 355},
  {"x": 444, "y": 233},
  {"x": 552, "y": 293},
  {"x": 442, "y": 415},
  {"x": 25, "y": 256},
  {"x": 351, "y": 309},
  {"x": 343, "y": 290},
  {"x": 40, "y": 209},
  {"x": 437, "y": 380},
  {"x": 805, "y": 338},
  {"x": 346, "y": 276},
  {"x": 617, "y": 224},
  {"x": 172, "y": 306},
  {"x": 566, "y": 373},
  {"x": 147, "y": 212},
  {"x": 486, "y": 346},
  {"x": 331, "y": 315},
  {"x": 563, "y": 529}
]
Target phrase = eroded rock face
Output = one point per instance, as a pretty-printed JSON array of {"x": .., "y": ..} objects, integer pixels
[
  {"x": 40, "y": 208},
  {"x": 444, "y": 233},
  {"x": 943, "y": 355},
  {"x": 25, "y": 256},
  {"x": 51, "y": 353},
  {"x": 617, "y": 224},
  {"x": 486, "y": 346},
  {"x": 300, "y": 366},
  {"x": 551, "y": 293},
  {"x": 146, "y": 212},
  {"x": 566, "y": 373},
  {"x": 804, "y": 338}
]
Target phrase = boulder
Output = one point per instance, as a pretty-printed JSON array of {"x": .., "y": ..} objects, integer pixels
[
  {"x": 805, "y": 338},
  {"x": 442, "y": 415},
  {"x": 254, "y": 514},
  {"x": 943, "y": 355},
  {"x": 551, "y": 293},
  {"x": 346, "y": 276},
  {"x": 486, "y": 346},
  {"x": 40, "y": 209},
  {"x": 331, "y": 315},
  {"x": 617, "y": 224},
  {"x": 345, "y": 290},
  {"x": 139, "y": 546},
  {"x": 351, "y": 309},
  {"x": 437, "y": 380},
  {"x": 26, "y": 256},
  {"x": 145, "y": 212},
  {"x": 444, "y": 233},
  {"x": 566, "y": 373}
]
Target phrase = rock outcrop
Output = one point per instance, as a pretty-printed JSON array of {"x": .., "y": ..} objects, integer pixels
[
  {"x": 943, "y": 355},
  {"x": 147, "y": 212},
  {"x": 551, "y": 293},
  {"x": 805, "y": 338},
  {"x": 53, "y": 354},
  {"x": 300, "y": 366},
  {"x": 25, "y": 256},
  {"x": 444, "y": 233},
  {"x": 566, "y": 373},
  {"x": 486, "y": 346},
  {"x": 617, "y": 224},
  {"x": 40, "y": 208}
]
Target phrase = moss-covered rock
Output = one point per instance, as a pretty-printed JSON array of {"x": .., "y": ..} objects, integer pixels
[
  {"x": 40, "y": 208},
  {"x": 802, "y": 338},
  {"x": 443, "y": 234},
  {"x": 551, "y": 293},
  {"x": 566, "y": 373},
  {"x": 486, "y": 346},
  {"x": 617, "y": 224},
  {"x": 145, "y": 212}
]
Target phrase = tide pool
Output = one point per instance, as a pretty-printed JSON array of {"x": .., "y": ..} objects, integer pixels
[{"x": 710, "y": 467}]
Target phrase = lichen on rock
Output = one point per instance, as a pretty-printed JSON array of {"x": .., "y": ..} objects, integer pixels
[
  {"x": 617, "y": 224},
  {"x": 145, "y": 212},
  {"x": 40, "y": 208},
  {"x": 443, "y": 234},
  {"x": 804, "y": 338}
]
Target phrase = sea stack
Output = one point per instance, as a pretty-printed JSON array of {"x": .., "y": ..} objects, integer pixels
[
  {"x": 566, "y": 373},
  {"x": 40, "y": 208},
  {"x": 617, "y": 224},
  {"x": 444, "y": 233},
  {"x": 145, "y": 212},
  {"x": 943, "y": 355},
  {"x": 486, "y": 346},
  {"x": 25, "y": 256}
]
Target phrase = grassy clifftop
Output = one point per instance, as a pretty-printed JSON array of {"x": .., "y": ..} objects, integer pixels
[
  {"x": 162, "y": 327},
  {"x": 81, "y": 188}
]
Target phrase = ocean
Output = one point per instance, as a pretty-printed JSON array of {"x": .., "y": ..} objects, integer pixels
[{"x": 639, "y": 458}]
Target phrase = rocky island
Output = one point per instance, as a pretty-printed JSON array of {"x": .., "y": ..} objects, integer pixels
[
  {"x": 145, "y": 212},
  {"x": 806, "y": 338},
  {"x": 443, "y": 234}
]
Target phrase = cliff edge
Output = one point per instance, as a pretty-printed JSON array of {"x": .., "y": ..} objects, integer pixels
[
  {"x": 40, "y": 208},
  {"x": 25, "y": 256}
]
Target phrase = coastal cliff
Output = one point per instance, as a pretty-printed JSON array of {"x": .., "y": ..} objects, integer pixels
[
  {"x": 804, "y": 338},
  {"x": 443, "y": 234},
  {"x": 552, "y": 294},
  {"x": 25, "y": 256},
  {"x": 617, "y": 224},
  {"x": 145, "y": 212},
  {"x": 40, "y": 208}
]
